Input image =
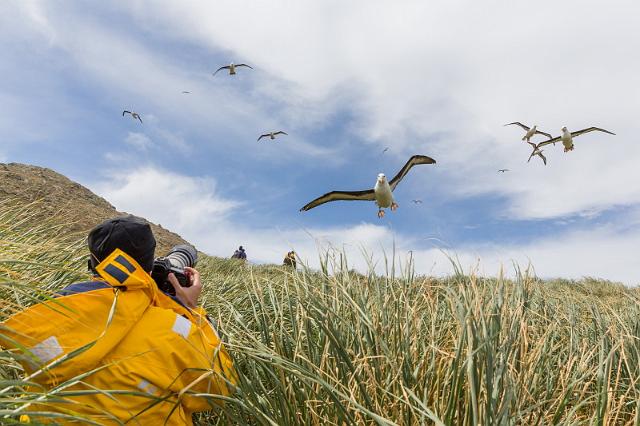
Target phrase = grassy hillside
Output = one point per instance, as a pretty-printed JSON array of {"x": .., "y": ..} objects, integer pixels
[
  {"x": 336, "y": 347},
  {"x": 55, "y": 194}
]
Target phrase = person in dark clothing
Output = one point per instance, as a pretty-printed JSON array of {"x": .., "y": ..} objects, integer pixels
[
  {"x": 239, "y": 254},
  {"x": 290, "y": 259}
]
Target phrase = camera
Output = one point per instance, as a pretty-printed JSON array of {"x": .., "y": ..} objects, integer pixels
[{"x": 178, "y": 258}]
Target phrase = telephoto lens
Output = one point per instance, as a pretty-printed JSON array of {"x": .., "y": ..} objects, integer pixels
[{"x": 182, "y": 256}]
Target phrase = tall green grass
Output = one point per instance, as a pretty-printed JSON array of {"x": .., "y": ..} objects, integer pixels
[{"x": 337, "y": 347}]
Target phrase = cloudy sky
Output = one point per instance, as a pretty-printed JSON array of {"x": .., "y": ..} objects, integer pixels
[{"x": 345, "y": 80}]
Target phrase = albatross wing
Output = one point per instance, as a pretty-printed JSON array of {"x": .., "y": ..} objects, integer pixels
[
  {"x": 367, "y": 195},
  {"x": 544, "y": 159},
  {"x": 547, "y": 142},
  {"x": 222, "y": 68},
  {"x": 544, "y": 134},
  {"x": 413, "y": 161},
  {"x": 535, "y": 147},
  {"x": 517, "y": 123},
  {"x": 590, "y": 129}
]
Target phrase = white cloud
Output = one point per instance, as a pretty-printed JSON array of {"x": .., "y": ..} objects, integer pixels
[
  {"x": 436, "y": 78},
  {"x": 601, "y": 252},
  {"x": 139, "y": 141},
  {"x": 442, "y": 78},
  {"x": 181, "y": 203},
  {"x": 192, "y": 207},
  {"x": 135, "y": 76}
]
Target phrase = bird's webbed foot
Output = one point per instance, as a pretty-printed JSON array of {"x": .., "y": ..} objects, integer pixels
[
  {"x": 380, "y": 213},
  {"x": 394, "y": 207}
]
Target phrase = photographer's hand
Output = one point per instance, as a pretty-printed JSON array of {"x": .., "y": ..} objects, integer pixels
[{"x": 187, "y": 295}]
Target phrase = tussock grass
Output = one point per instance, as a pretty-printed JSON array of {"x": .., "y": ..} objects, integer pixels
[{"x": 338, "y": 347}]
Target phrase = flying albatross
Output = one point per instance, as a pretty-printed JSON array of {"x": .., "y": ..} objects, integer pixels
[
  {"x": 537, "y": 151},
  {"x": 567, "y": 137},
  {"x": 134, "y": 114},
  {"x": 272, "y": 135},
  {"x": 381, "y": 193},
  {"x": 232, "y": 68},
  {"x": 530, "y": 131}
]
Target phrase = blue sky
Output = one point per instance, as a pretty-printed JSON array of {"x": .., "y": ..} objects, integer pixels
[{"x": 345, "y": 82}]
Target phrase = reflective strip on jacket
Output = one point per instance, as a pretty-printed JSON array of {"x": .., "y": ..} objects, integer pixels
[{"x": 139, "y": 356}]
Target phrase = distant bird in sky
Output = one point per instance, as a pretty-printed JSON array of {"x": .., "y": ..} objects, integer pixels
[
  {"x": 385, "y": 150},
  {"x": 567, "y": 138},
  {"x": 272, "y": 135},
  {"x": 530, "y": 131},
  {"x": 504, "y": 170},
  {"x": 185, "y": 91},
  {"x": 232, "y": 68},
  {"x": 416, "y": 201},
  {"x": 135, "y": 115},
  {"x": 381, "y": 193},
  {"x": 537, "y": 151}
]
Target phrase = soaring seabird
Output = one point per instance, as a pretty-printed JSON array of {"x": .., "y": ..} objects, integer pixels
[
  {"x": 185, "y": 92},
  {"x": 381, "y": 193},
  {"x": 416, "y": 201},
  {"x": 135, "y": 115},
  {"x": 272, "y": 135},
  {"x": 503, "y": 170},
  {"x": 567, "y": 138},
  {"x": 530, "y": 131},
  {"x": 385, "y": 150},
  {"x": 537, "y": 151},
  {"x": 232, "y": 68}
]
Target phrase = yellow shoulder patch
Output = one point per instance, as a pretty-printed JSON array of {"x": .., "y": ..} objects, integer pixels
[{"x": 121, "y": 270}]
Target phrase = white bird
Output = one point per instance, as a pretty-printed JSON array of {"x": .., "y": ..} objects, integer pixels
[
  {"x": 135, "y": 115},
  {"x": 530, "y": 131},
  {"x": 382, "y": 192},
  {"x": 537, "y": 151},
  {"x": 567, "y": 137},
  {"x": 503, "y": 170},
  {"x": 272, "y": 135},
  {"x": 232, "y": 68}
]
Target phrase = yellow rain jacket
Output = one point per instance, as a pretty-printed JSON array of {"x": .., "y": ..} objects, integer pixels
[{"x": 121, "y": 351}]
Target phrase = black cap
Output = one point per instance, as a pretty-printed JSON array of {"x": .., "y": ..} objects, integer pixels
[{"x": 130, "y": 234}]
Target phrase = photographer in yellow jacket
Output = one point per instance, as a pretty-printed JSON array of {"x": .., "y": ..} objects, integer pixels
[{"x": 122, "y": 348}]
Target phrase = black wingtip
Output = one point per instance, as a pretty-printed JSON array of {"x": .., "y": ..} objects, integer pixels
[{"x": 426, "y": 157}]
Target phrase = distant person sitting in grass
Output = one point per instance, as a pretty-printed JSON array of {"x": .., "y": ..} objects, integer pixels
[
  {"x": 239, "y": 254},
  {"x": 290, "y": 259},
  {"x": 132, "y": 350}
]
